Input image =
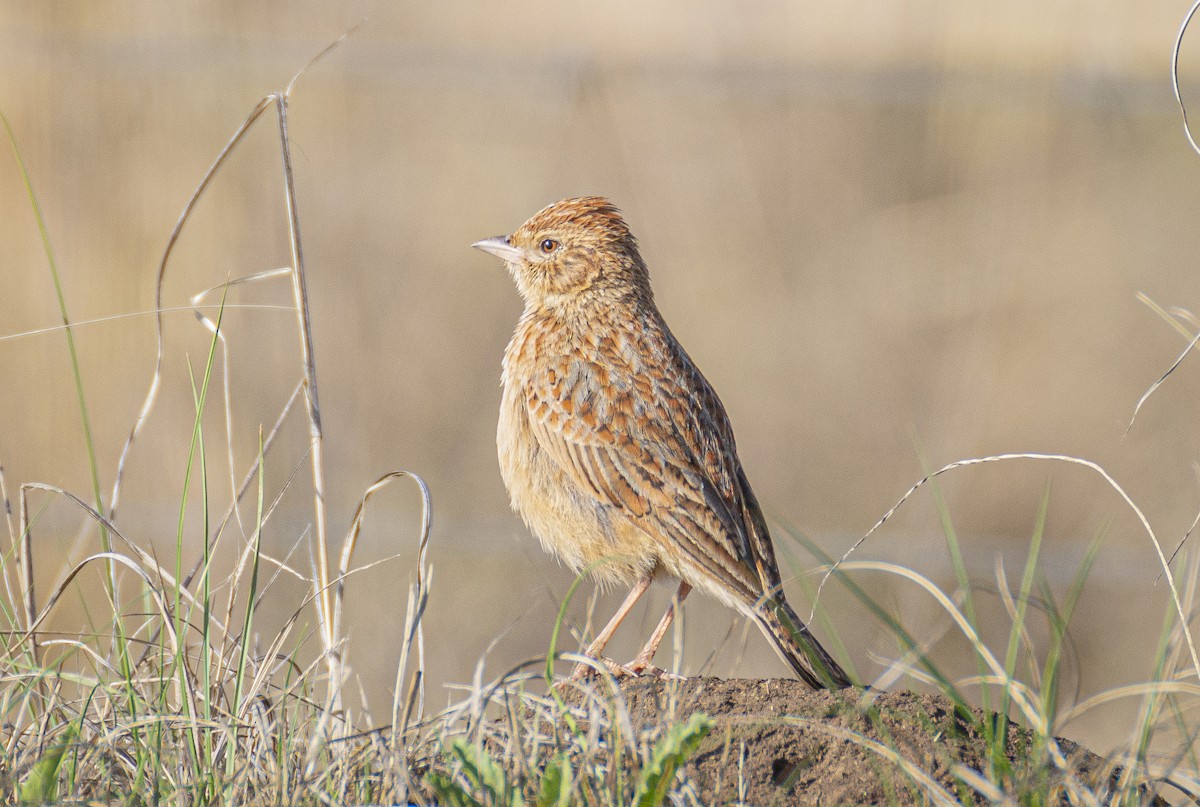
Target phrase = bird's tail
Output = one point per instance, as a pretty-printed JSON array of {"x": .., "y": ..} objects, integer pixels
[{"x": 800, "y": 648}]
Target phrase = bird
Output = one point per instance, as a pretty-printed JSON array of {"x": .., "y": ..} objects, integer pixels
[{"x": 614, "y": 448}]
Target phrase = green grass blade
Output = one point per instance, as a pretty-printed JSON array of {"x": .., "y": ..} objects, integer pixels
[
  {"x": 67, "y": 329},
  {"x": 247, "y": 621},
  {"x": 181, "y": 620},
  {"x": 672, "y": 751},
  {"x": 89, "y": 442},
  {"x": 999, "y": 757},
  {"x": 1059, "y": 619},
  {"x": 205, "y": 593}
]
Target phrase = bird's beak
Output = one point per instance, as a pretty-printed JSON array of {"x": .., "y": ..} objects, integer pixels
[{"x": 500, "y": 247}]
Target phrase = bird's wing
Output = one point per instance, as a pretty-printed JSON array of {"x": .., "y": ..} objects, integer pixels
[{"x": 655, "y": 443}]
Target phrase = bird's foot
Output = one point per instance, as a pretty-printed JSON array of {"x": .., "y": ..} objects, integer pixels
[
  {"x": 635, "y": 668},
  {"x": 642, "y": 666},
  {"x": 583, "y": 670}
]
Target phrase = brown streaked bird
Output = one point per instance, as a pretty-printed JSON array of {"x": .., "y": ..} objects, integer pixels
[{"x": 615, "y": 449}]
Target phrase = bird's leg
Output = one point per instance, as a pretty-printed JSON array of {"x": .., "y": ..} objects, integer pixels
[
  {"x": 597, "y": 646},
  {"x": 641, "y": 661}
]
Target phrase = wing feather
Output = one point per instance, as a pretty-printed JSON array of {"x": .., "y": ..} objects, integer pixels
[{"x": 640, "y": 443}]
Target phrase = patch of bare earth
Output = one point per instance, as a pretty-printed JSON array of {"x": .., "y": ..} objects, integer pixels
[{"x": 776, "y": 742}]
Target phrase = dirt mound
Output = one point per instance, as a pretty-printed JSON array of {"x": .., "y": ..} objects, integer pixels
[{"x": 776, "y": 742}]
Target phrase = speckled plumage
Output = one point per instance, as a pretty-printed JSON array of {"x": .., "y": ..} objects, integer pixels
[{"x": 613, "y": 445}]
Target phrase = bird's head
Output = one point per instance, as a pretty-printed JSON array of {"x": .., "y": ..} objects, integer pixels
[{"x": 572, "y": 253}]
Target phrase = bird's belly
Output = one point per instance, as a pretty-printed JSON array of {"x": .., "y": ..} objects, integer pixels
[{"x": 570, "y": 522}]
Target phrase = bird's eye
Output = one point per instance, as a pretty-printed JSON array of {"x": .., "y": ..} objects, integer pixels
[{"x": 548, "y": 245}]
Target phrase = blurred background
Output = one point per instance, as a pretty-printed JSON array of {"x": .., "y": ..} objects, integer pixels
[{"x": 891, "y": 237}]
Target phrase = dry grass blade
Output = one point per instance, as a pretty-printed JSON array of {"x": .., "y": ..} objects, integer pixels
[
  {"x": 144, "y": 557},
  {"x": 1171, "y": 317},
  {"x": 951, "y": 608},
  {"x": 1129, "y": 691},
  {"x": 1013, "y": 610},
  {"x": 1145, "y": 395},
  {"x": 25, "y": 575},
  {"x": 416, "y": 602},
  {"x": 988, "y": 789},
  {"x": 177, "y": 309},
  {"x": 350, "y": 542},
  {"x": 1059, "y": 760},
  {"x": 1187, "y": 129},
  {"x": 14, "y": 541},
  {"x": 325, "y": 607},
  {"x": 188, "y": 695},
  {"x": 311, "y": 399},
  {"x": 418, "y": 596}
]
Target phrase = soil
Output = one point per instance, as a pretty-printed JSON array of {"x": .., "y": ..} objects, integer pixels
[{"x": 776, "y": 742}]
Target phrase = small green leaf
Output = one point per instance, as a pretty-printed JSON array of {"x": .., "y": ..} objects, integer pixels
[
  {"x": 486, "y": 775},
  {"x": 42, "y": 785},
  {"x": 449, "y": 792},
  {"x": 483, "y": 771},
  {"x": 681, "y": 742},
  {"x": 556, "y": 783}
]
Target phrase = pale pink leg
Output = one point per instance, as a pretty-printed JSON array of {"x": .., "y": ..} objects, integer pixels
[
  {"x": 641, "y": 662},
  {"x": 597, "y": 646}
]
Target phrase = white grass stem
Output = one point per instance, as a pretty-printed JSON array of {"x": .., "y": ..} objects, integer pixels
[{"x": 1187, "y": 129}]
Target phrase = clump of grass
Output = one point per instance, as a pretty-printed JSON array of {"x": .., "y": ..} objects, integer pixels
[
  {"x": 170, "y": 693},
  {"x": 519, "y": 747},
  {"x": 1022, "y": 686}
]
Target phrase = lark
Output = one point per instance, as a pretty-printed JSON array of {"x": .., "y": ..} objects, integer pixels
[{"x": 615, "y": 449}]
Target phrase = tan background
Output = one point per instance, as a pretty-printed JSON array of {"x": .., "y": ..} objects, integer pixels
[{"x": 912, "y": 229}]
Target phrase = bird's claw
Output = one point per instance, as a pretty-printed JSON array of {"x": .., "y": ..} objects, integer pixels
[{"x": 633, "y": 669}]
